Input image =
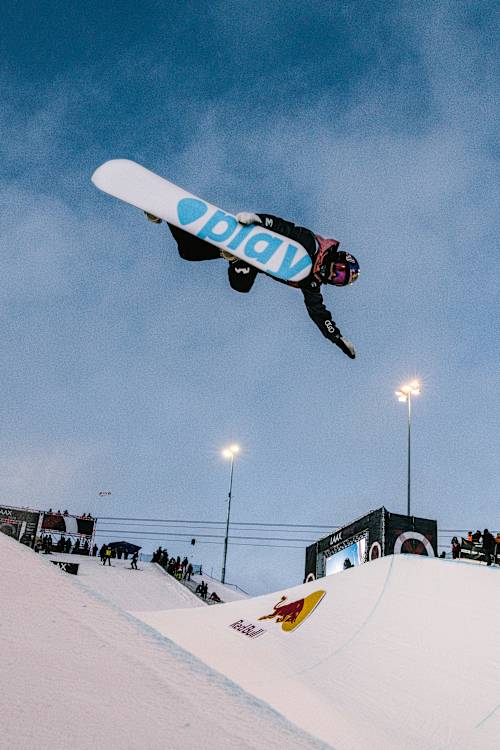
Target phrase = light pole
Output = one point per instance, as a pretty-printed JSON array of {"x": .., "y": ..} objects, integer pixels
[
  {"x": 404, "y": 395},
  {"x": 228, "y": 453}
]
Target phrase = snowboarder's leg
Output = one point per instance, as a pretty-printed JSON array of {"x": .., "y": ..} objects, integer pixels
[
  {"x": 241, "y": 276},
  {"x": 191, "y": 247}
]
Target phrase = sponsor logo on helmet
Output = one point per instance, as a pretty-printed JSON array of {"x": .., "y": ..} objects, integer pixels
[
  {"x": 252, "y": 241},
  {"x": 292, "y": 614}
]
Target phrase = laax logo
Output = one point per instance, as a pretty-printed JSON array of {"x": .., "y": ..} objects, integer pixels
[
  {"x": 293, "y": 614},
  {"x": 224, "y": 230},
  {"x": 5, "y": 512}
]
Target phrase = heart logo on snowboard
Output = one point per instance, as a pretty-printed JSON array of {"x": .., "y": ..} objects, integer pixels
[{"x": 190, "y": 209}]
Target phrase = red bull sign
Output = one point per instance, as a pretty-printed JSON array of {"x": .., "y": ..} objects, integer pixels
[{"x": 292, "y": 614}]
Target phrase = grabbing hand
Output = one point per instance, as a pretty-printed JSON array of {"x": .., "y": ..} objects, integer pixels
[
  {"x": 245, "y": 217},
  {"x": 346, "y": 346}
]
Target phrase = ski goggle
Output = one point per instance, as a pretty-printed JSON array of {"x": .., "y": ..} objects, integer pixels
[
  {"x": 342, "y": 274},
  {"x": 339, "y": 274}
]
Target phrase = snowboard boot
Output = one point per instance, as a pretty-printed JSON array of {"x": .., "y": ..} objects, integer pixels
[
  {"x": 227, "y": 256},
  {"x": 151, "y": 217}
]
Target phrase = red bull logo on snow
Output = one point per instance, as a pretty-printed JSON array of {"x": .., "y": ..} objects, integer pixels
[{"x": 292, "y": 614}]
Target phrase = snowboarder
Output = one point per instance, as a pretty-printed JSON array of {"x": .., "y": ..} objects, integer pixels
[{"x": 330, "y": 266}]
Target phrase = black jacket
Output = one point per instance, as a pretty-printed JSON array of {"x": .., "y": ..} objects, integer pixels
[
  {"x": 488, "y": 542},
  {"x": 310, "y": 286}
]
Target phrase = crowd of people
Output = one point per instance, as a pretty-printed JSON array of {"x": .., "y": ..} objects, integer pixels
[
  {"x": 485, "y": 542},
  {"x": 182, "y": 570},
  {"x": 65, "y": 513},
  {"x": 46, "y": 544},
  {"x": 179, "y": 569}
]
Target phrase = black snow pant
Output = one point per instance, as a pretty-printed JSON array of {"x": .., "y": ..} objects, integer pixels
[{"x": 241, "y": 275}]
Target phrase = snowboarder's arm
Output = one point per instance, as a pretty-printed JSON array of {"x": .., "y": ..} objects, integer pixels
[{"x": 323, "y": 319}]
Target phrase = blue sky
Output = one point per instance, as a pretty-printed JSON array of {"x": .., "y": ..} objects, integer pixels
[{"x": 127, "y": 369}]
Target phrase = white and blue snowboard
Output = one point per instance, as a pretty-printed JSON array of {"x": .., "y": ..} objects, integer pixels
[{"x": 262, "y": 248}]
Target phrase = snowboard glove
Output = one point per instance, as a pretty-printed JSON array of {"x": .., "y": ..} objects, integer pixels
[
  {"x": 345, "y": 345},
  {"x": 244, "y": 217},
  {"x": 153, "y": 218}
]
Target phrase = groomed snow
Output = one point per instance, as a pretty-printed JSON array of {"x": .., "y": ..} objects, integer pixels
[
  {"x": 78, "y": 672},
  {"x": 149, "y": 587},
  {"x": 400, "y": 654}
]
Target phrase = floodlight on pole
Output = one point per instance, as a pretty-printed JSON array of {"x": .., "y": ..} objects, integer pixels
[
  {"x": 404, "y": 395},
  {"x": 228, "y": 453}
]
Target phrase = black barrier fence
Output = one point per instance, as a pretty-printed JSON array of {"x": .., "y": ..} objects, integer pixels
[
  {"x": 474, "y": 551},
  {"x": 68, "y": 567}
]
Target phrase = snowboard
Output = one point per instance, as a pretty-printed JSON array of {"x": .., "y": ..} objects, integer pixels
[{"x": 260, "y": 247}]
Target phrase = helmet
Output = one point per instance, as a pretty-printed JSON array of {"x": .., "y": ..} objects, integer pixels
[
  {"x": 343, "y": 269},
  {"x": 333, "y": 266}
]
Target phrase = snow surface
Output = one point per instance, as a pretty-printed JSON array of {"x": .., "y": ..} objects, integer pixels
[
  {"x": 78, "y": 672},
  {"x": 150, "y": 587},
  {"x": 400, "y": 654}
]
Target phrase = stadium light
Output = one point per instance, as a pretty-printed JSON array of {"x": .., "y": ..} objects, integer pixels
[
  {"x": 404, "y": 395},
  {"x": 228, "y": 453}
]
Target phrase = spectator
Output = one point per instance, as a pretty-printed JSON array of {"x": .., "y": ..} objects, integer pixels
[
  {"x": 488, "y": 546},
  {"x": 204, "y": 590},
  {"x": 189, "y": 572},
  {"x": 107, "y": 556},
  {"x": 94, "y": 550},
  {"x": 102, "y": 553},
  {"x": 214, "y": 597},
  {"x": 86, "y": 547},
  {"x": 476, "y": 536},
  {"x": 76, "y": 548},
  {"x": 469, "y": 536},
  {"x": 455, "y": 548},
  {"x": 68, "y": 545},
  {"x": 133, "y": 563}
]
